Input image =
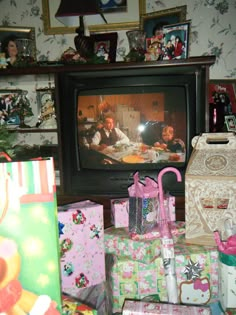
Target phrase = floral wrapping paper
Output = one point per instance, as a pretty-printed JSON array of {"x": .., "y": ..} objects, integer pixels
[
  {"x": 147, "y": 308},
  {"x": 196, "y": 268},
  {"x": 144, "y": 248}
]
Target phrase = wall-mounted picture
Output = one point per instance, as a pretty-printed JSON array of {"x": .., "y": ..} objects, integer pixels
[
  {"x": 230, "y": 122},
  {"x": 222, "y": 102},
  {"x": 176, "y": 40},
  {"x": 18, "y": 42},
  {"x": 152, "y": 23},
  {"x": 120, "y": 15},
  {"x": 105, "y": 45},
  {"x": 8, "y": 98},
  {"x": 114, "y": 6}
]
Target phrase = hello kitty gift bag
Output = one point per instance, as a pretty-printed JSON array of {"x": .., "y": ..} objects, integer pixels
[{"x": 143, "y": 205}]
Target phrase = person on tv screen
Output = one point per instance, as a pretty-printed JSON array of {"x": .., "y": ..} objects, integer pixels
[
  {"x": 108, "y": 135},
  {"x": 168, "y": 142}
]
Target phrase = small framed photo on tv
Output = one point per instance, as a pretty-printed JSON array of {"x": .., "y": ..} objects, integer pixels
[
  {"x": 105, "y": 45},
  {"x": 176, "y": 40},
  {"x": 230, "y": 122}
]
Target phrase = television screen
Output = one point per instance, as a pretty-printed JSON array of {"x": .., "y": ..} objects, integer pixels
[{"x": 125, "y": 126}]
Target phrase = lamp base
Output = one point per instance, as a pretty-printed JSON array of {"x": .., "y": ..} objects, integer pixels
[{"x": 83, "y": 44}]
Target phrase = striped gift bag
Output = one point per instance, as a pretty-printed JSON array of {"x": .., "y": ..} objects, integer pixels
[{"x": 29, "y": 255}]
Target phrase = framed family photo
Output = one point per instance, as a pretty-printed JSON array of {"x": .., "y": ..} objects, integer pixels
[
  {"x": 230, "y": 122},
  {"x": 152, "y": 23},
  {"x": 105, "y": 45},
  {"x": 176, "y": 40},
  {"x": 120, "y": 15},
  {"x": 8, "y": 98},
  {"x": 23, "y": 36}
]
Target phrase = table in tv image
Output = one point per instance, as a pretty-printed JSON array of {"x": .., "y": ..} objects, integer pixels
[{"x": 134, "y": 152}]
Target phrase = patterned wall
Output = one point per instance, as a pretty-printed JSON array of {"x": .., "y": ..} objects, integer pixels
[{"x": 212, "y": 30}]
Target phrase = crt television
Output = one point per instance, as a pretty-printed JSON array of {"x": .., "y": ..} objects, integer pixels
[{"x": 142, "y": 99}]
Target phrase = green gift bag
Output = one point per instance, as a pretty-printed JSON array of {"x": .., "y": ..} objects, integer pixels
[{"x": 29, "y": 255}]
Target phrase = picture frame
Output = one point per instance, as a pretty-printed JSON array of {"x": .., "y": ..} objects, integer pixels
[
  {"x": 27, "y": 33},
  {"x": 46, "y": 108},
  {"x": 176, "y": 40},
  {"x": 151, "y": 21},
  {"x": 222, "y": 102},
  {"x": 7, "y": 97},
  {"x": 105, "y": 44},
  {"x": 230, "y": 122},
  {"x": 116, "y": 21}
]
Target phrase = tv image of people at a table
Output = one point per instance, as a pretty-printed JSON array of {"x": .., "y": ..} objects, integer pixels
[{"x": 119, "y": 129}]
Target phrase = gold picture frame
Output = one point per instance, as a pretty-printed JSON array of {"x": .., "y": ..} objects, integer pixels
[
  {"x": 120, "y": 21},
  {"x": 174, "y": 15},
  {"x": 18, "y": 32}
]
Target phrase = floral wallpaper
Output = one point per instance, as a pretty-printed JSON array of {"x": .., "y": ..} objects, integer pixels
[{"x": 213, "y": 30}]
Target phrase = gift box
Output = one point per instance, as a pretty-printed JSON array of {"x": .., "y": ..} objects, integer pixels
[
  {"x": 82, "y": 257},
  {"x": 147, "y": 308},
  {"x": 120, "y": 212},
  {"x": 72, "y": 306},
  {"x": 29, "y": 256},
  {"x": 210, "y": 187},
  {"x": 227, "y": 280},
  {"x": 196, "y": 269},
  {"x": 117, "y": 241},
  {"x": 139, "y": 247}
]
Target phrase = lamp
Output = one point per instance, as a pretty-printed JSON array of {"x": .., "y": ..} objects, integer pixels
[{"x": 68, "y": 13}]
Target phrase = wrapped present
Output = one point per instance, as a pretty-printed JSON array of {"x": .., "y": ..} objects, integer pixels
[
  {"x": 196, "y": 269},
  {"x": 148, "y": 308},
  {"x": 29, "y": 256},
  {"x": 118, "y": 242},
  {"x": 120, "y": 212},
  {"x": 72, "y": 306},
  {"x": 144, "y": 248},
  {"x": 81, "y": 240}
]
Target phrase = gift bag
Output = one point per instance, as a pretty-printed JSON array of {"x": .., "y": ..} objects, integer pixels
[
  {"x": 29, "y": 254},
  {"x": 143, "y": 205},
  {"x": 227, "y": 270}
]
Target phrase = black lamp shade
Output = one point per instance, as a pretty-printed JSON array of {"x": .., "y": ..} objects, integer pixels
[{"x": 74, "y": 8}]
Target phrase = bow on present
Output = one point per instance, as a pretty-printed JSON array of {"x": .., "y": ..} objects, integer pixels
[{"x": 227, "y": 247}]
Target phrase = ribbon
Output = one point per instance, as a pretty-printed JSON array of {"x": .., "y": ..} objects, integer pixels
[
  {"x": 199, "y": 285},
  {"x": 4, "y": 210}
]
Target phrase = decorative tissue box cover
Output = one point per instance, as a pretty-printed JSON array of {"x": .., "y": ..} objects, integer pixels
[
  {"x": 210, "y": 187},
  {"x": 135, "y": 280},
  {"x": 144, "y": 248},
  {"x": 81, "y": 246},
  {"x": 71, "y": 306},
  {"x": 147, "y": 308},
  {"x": 120, "y": 212}
]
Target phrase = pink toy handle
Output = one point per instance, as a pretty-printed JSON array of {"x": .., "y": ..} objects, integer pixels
[{"x": 161, "y": 193}]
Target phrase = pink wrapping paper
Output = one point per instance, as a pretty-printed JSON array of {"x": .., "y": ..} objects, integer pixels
[
  {"x": 148, "y": 308},
  {"x": 81, "y": 246}
]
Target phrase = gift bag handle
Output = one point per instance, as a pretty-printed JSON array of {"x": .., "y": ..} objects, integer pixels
[{"x": 4, "y": 154}]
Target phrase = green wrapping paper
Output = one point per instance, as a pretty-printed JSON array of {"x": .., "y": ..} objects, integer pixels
[{"x": 196, "y": 268}]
